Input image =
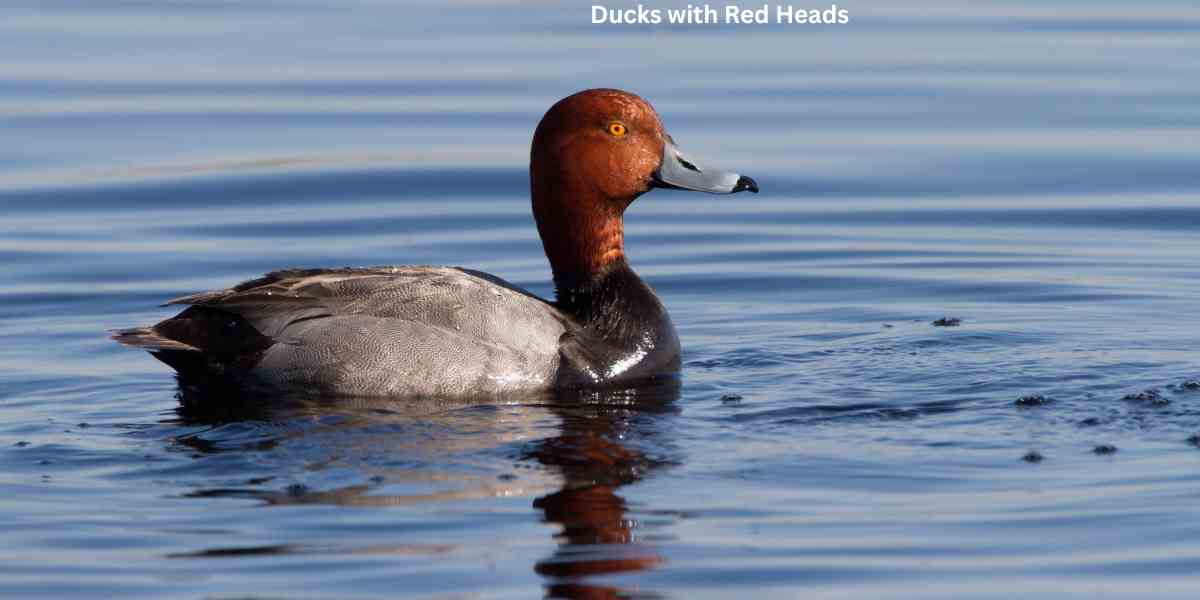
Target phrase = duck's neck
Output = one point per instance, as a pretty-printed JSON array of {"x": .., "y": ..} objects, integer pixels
[
  {"x": 583, "y": 233},
  {"x": 583, "y": 243}
]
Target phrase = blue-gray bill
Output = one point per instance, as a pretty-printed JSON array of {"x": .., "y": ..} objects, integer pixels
[{"x": 681, "y": 172}]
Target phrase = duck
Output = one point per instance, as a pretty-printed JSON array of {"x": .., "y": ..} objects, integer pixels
[{"x": 434, "y": 331}]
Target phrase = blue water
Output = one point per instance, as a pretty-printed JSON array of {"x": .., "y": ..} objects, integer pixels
[{"x": 1030, "y": 168}]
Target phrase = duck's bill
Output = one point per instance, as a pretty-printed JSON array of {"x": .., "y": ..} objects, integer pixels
[{"x": 679, "y": 171}]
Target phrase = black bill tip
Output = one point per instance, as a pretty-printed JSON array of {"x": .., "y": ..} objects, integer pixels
[{"x": 745, "y": 183}]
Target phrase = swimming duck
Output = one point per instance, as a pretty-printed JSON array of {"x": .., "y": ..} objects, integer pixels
[{"x": 448, "y": 331}]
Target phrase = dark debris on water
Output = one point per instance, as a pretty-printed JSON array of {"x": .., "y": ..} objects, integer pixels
[
  {"x": 1104, "y": 449},
  {"x": 1191, "y": 385},
  {"x": 947, "y": 322},
  {"x": 1150, "y": 396},
  {"x": 1033, "y": 456},
  {"x": 1032, "y": 400}
]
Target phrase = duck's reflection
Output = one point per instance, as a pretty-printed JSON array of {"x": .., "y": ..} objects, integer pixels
[
  {"x": 599, "y": 536},
  {"x": 594, "y": 442}
]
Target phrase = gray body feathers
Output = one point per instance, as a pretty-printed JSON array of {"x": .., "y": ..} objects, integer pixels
[{"x": 389, "y": 331}]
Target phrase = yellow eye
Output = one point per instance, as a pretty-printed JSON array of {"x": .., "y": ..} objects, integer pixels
[{"x": 617, "y": 129}]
